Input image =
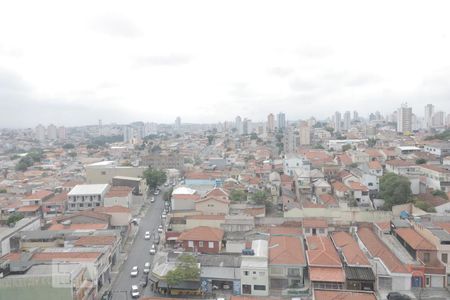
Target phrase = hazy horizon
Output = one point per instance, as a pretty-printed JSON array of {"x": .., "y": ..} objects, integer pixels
[{"x": 72, "y": 63}]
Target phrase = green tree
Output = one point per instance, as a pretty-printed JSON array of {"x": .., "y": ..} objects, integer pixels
[
  {"x": 346, "y": 147},
  {"x": 371, "y": 142},
  {"x": 154, "y": 177},
  {"x": 14, "y": 218},
  {"x": 168, "y": 194},
  {"x": 440, "y": 193},
  {"x": 72, "y": 154},
  {"x": 68, "y": 146},
  {"x": 259, "y": 197},
  {"x": 421, "y": 161},
  {"x": 253, "y": 136},
  {"x": 210, "y": 139},
  {"x": 186, "y": 270},
  {"x": 238, "y": 195},
  {"x": 3, "y": 191},
  {"x": 395, "y": 189}
]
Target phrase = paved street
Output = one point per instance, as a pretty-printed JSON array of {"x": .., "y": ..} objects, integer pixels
[{"x": 139, "y": 252}]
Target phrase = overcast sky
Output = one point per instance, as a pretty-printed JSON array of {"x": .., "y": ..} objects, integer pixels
[{"x": 72, "y": 63}]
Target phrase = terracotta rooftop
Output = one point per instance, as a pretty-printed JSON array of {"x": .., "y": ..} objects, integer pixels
[
  {"x": 414, "y": 239},
  {"x": 315, "y": 223},
  {"x": 328, "y": 200},
  {"x": 343, "y": 295},
  {"x": 344, "y": 159},
  {"x": 377, "y": 248},
  {"x": 321, "y": 252},
  {"x": 284, "y": 230},
  {"x": 95, "y": 240},
  {"x": 29, "y": 208},
  {"x": 383, "y": 226},
  {"x": 202, "y": 233},
  {"x": 353, "y": 255},
  {"x": 357, "y": 186},
  {"x": 66, "y": 256},
  {"x": 324, "y": 274},
  {"x": 217, "y": 192},
  {"x": 206, "y": 217},
  {"x": 375, "y": 165},
  {"x": 39, "y": 195},
  {"x": 400, "y": 163},
  {"x": 112, "y": 209},
  {"x": 119, "y": 191},
  {"x": 286, "y": 250},
  {"x": 339, "y": 186},
  {"x": 373, "y": 152},
  {"x": 74, "y": 227},
  {"x": 435, "y": 168},
  {"x": 57, "y": 198}
]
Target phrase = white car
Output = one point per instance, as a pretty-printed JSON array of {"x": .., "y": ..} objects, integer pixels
[
  {"x": 134, "y": 271},
  {"x": 152, "y": 200},
  {"x": 153, "y": 250},
  {"x": 166, "y": 184},
  {"x": 134, "y": 291},
  {"x": 160, "y": 228},
  {"x": 164, "y": 215},
  {"x": 147, "y": 268},
  {"x": 147, "y": 235}
]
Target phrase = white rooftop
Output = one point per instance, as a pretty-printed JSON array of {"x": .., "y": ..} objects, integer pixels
[
  {"x": 102, "y": 163},
  {"x": 88, "y": 189},
  {"x": 183, "y": 190}
]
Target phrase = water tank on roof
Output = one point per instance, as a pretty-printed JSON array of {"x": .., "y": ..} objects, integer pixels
[{"x": 248, "y": 251}]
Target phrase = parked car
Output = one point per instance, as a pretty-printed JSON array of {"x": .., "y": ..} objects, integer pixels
[
  {"x": 134, "y": 221},
  {"x": 397, "y": 296},
  {"x": 163, "y": 215},
  {"x": 147, "y": 268},
  {"x": 144, "y": 280},
  {"x": 156, "y": 239},
  {"x": 134, "y": 271},
  {"x": 152, "y": 200},
  {"x": 107, "y": 295},
  {"x": 147, "y": 235},
  {"x": 153, "y": 250},
  {"x": 160, "y": 228},
  {"x": 134, "y": 291}
]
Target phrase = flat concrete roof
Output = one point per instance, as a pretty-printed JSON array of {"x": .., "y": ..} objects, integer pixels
[{"x": 88, "y": 189}]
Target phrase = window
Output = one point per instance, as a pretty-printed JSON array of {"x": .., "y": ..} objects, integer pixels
[
  {"x": 444, "y": 257},
  {"x": 191, "y": 244},
  {"x": 294, "y": 272},
  {"x": 254, "y": 272},
  {"x": 321, "y": 230},
  {"x": 103, "y": 172},
  {"x": 97, "y": 204},
  {"x": 89, "y": 205},
  {"x": 72, "y": 205},
  {"x": 262, "y": 273},
  {"x": 246, "y": 273},
  {"x": 426, "y": 257},
  {"x": 210, "y": 245},
  {"x": 81, "y": 205},
  {"x": 259, "y": 287},
  {"x": 200, "y": 244}
]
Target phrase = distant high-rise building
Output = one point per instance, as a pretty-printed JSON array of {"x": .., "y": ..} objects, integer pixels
[
  {"x": 447, "y": 123},
  {"x": 178, "y": 123},
  {"x": 355, "y": 116},
  {"x": 246, "y": 126},
  {"x": 238, "y": 124},
  {"x": 428, "y": 117},
  {"x": 100, "y": 128},
  {"x": 337, "y": 121},
  {"x": 270, "y": 123},
  {"x": 61, "y": 133},
  {"x": 281, "y": 120},
  {"x": 305, "y": 133},
  {"x": 438, "y": 119},
  {"x": 40, "y": 133},
  {"x": 347, "y": 120},
  {"x": 52, "y": 132},
  {"x": 128, "y": 134},
  {"x": 404, "y": 119}
]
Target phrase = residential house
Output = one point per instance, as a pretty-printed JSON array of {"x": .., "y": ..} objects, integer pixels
[
  {"x": 287, "y": 262},
  {"x": 84, "y": 220},
  {"x": 312, "y": 227},
  {"x": 120, "y": 216},
  {"x": 37, "y": 198},
  {"x": 340, "y": 190},
  {"x": 86, "y": 196},
  {"x": 360, "y": 193},
  {"x": 119, "y": 195},
  {"x": 328, "y": 200},
  {"x": 55, "y": 205},
  {"x": 319, "y": 294},
  {"x": 215, "y": 202},
  {"x": 425, "y": 252},
  {"x": 435, "y": 177},
  {"x": 294, "y": 162},
  {"x": 254, "y": 269},
  {"x": 183, "y": 198},
  {"x": 392, "y": 274},
  {"x": 321, "y": 186},
  {"x": 202, "y": 239},
  {"x": 358, "y": 270},
  {"x": 325, "y": 267}
]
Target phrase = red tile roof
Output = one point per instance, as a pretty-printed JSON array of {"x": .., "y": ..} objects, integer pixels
[
  {"x": 202, "y": 233},
  {"x": 58, "y": 198},
  {"x": 29, "y": 208},
  {"x": 206, "y": 217},
  {"x": 357, "y": 186},
  {"x": 56, "y": 227},
  {"x": 217, "y": 192},
  {"x": 284, "y": 230},
  {"x": 95, "y": 240},
  {"x": 353, "y": 255},
  {"x": 375, "y": 165},
  {"x": 286, "y": 250},
  {"x": 377, "y": 248},
  {"x": 324, "y": 274},
  {"x": 339, "y": 186},
  {"x": 321, "y": 252},
  {"x": 39, "y": 195},
  {"x": 315, "y": 223},
  {"x": 328, "y": 200},
  {"x": 343, "y": 295},
  {"x": 119, "y": 191},
  {"x": 414, "y": 239}
]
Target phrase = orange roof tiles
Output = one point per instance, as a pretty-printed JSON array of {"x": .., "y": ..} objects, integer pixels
[
  {"x": 414, "y": 239},
  {"x": 328, "y": 200},
  {"x": 315, "y": 223},
  {"x": 29, "y": 208},
  {"x": 344, "y": 159},
  {"x": 284, "y": 230},
  {"x": 435, "y": 168},
  {"x": 206, "y": 217},
  {"x": 357, "y": 186},
  {"x": 324, "y": 274},
  {"x": 353, "y": 255},
  {"x": 400, "y": 163},
  {"x": 384, "y": 226},
  {"x": 343, "y": 295},
  {"x": 66, "y": 256},
  {"x": 39, "y": 195},
  {"x": 216, "y": 192},
  {"x": 202, "y": 233},
  {"x": 58, "y": 198},
  {"x": 56, "y": 227},
  {"x": 339, "y": 186},
  {"x": 377, "y": 248},
  {"x": 119, "y": 191},
  {"x": 286, "y": 250},
  {"x": 375, "y": 165},
  {"x": 321, "y": 252},
  {"x": 95, "y": 240}
]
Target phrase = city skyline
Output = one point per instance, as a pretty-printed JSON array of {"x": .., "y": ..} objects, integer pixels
[{"x": 140, "y": 65}]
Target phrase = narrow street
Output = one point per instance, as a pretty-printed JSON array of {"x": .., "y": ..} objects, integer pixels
[{"x": 138, "y": 254}]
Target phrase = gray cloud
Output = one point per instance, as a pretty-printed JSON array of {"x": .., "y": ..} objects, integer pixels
[
  {"x": 116, "y": 26},
  {"x": 162, "y": 60},
  {"x": 280, "y": 71}
]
